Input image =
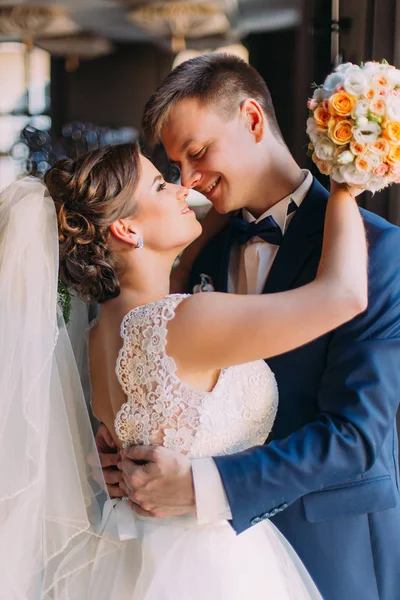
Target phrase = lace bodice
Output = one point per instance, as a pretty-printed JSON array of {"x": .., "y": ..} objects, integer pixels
[{"x": 161, "y": 409}]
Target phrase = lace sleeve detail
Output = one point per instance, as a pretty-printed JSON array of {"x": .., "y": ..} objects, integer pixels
[{"x": 159, "y": 408}]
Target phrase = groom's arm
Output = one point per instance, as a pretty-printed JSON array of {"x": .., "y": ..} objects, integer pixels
[{"x": 358, "y": 400}]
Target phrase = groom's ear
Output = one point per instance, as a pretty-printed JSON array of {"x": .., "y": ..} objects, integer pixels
[{"x": 254, "y": 118}]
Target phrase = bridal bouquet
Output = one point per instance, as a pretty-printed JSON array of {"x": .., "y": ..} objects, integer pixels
[{"x": 354, "y": 125}]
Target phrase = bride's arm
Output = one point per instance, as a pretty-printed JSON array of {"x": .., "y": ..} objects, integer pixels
[
  {"x": 212, "y": 223},
  {"x": 225, "y": 329}
]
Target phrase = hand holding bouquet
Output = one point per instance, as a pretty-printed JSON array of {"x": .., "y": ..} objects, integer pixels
[{"x": 354, "y": 125}]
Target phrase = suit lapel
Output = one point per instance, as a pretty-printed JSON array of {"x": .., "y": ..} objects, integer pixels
[{"x": 302, "y": 236}]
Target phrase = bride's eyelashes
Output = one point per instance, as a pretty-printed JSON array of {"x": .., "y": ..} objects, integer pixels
[{"x": 161, "y": 186}]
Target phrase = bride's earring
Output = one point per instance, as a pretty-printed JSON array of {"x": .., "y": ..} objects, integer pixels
[{"x": 140, "y": 243}]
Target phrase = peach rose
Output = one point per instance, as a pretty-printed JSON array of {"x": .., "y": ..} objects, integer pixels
[
  {"x": 341, "y": 132},
  {"x": 312, "y": 104},
  {"x": 362, "y": 164},
  {"x": 393, "y": 157},
  {"x": 378, "y": 107},
  {"x": 315, "y": 158},
  {"x": 342, "y": 104},
  {"x": 392, "y": 131},
  {"x": 357, "y": 148},
  {"x": 381, "y": 170},
  {"x": 324, "y": 167},
  {"x": 380, "y": 80},
  {"x": 322, "y": 117},
  {"x": 380, "y": 147},
  {"x": 370, "y": 94}
]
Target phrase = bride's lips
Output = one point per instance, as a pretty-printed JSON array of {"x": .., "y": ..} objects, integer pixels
[{"x": 187, "y": 210}]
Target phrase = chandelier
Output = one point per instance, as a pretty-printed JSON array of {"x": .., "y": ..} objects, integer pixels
[
  {"x": 30, "y": 21},
  {"x": 180, "y": 19}
]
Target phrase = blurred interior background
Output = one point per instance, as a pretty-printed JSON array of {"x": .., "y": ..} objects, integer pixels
[{"x": 75, "y": 74}]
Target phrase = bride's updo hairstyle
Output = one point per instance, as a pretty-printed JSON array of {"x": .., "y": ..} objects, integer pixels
[{"x": 89, "y": 195}]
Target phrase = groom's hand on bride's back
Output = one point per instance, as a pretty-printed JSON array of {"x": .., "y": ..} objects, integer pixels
[
  {"x": 109, "y": 458},
  {"x": 158, "y": 481}
]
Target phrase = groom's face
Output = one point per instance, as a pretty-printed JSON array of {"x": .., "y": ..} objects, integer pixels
[{"x": 216, "y": 155}]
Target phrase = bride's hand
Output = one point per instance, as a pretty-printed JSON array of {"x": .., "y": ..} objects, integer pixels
[
  {"x": 109, "y": 458},
  {"x": 352, "y": 189}
]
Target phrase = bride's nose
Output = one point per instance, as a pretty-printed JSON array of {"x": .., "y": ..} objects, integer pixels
[{"x": 182, "y": 193}]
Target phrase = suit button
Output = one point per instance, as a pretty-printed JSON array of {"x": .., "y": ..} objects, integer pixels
[
  {"x": 283, "y": 506},
  {"x": 274, "y": 511},
  {"x": 266, "y": 516},
  {"x": 255, "y": 521}
]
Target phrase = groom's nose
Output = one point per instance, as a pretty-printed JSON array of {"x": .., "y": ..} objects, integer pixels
[{"x": 190, "y": 177}]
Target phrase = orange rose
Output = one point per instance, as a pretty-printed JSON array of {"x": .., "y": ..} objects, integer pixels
[
  {"x": 392, "y": 131},
  {"x": 393, "y": 157},
  {"x": 357, "y": 148},
  {"x": 342, "y": 104},
  {"x": 322, "y": 116},
  {"x": 341, "y": 132},
  {"x": 380, "y": 147},
  {"x": 370, "y": 94}
]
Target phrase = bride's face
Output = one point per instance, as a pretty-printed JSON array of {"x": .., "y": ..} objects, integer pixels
[{"x": 163, "y": 218}]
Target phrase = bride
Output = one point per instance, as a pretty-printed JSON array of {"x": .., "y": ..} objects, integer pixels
[{"x": 183, "y": 371}]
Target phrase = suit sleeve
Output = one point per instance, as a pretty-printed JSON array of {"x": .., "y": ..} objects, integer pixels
[{"x": 358, "y": 401}]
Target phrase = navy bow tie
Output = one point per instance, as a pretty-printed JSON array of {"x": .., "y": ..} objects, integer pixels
[{"x": 267, "y": 229}]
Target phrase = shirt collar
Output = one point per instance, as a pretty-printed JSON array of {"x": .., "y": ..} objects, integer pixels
[{"x": 279, "y": 210}]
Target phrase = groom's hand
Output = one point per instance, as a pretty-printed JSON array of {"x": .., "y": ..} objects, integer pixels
[
  {"x": 109, "y": 458},
  {"x": 158, "y": 481}
]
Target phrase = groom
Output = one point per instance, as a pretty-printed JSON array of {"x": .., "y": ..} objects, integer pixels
[{"x": 328, "y": 475}]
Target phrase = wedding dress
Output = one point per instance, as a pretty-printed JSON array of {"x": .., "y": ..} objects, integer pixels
[
  {"x": 61, "y": 537},
  {"x": 176, "y": 558}
]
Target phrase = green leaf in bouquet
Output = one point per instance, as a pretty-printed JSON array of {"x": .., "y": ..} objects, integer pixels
[{"x": 64, "y": 301}]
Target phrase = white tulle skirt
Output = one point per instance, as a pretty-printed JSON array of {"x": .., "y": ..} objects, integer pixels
[{"x": 176, "y": 559}]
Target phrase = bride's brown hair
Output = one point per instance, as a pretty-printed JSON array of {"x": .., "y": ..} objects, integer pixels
[{"x": 89, "y": 195}]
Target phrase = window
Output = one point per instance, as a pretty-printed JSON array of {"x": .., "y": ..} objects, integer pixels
[{"x": 24, "y": 99}]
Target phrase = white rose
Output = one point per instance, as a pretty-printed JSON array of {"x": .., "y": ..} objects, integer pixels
[
  {"x": 345, "y": 67},
  {"x": 370, "y": 68},
  {"x": 355, "y": 82},
  {"x": 362, "y": 122},
  {"x": 318, "y": 95},
  {"x": 332, "y": 83},
  {"x": 374, "y": 161},
  {"x": 367, "y": 133},
  {"x": 314, "y": 131},
  {"x": 324, "y": 148},
  {"x": 375, "y": 184},
  {"x": 337, "y": 174},
  {"x": 360, "y": 109},
  {"x": 393, "y": 76},
  {"x": 345, "y": 157},
  {"x": 393, "y": 108},
  {"x": 352, "y": 176}
]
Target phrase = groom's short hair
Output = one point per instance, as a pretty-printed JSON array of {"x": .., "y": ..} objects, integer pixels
[{"x": 223, "y": 81}]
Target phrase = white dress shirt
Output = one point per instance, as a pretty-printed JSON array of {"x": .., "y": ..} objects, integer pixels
[{"x": 249, "y": 268}]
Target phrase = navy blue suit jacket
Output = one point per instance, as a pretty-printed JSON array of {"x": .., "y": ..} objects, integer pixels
[{"x": 328, "y": 475}]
